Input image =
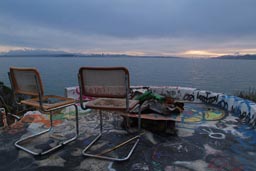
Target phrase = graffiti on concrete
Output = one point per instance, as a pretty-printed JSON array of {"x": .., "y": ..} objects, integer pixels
[
  {"x": 215, "y": 132},
  {"x": 245, "y": 109},
  {"x": 214, "y": 135},
  {"x": 189, "y": 97},
  {"x": 207, "y": 97},
  {"x": 209, "y": 145},
  {"x": 201, "y": 113}
]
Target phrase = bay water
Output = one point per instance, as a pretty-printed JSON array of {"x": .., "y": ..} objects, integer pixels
[{"x": 217, "y": 75}]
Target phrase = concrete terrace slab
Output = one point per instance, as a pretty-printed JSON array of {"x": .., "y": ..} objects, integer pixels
[
  {"x": 208, "y": 138},
  {"x": 215, "y": 132}
]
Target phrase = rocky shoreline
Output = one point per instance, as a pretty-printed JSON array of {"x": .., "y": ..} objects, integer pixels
[{"x": 6, "y": 102}]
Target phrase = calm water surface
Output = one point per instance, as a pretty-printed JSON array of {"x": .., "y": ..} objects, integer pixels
[{"x": 227, "y": 76}]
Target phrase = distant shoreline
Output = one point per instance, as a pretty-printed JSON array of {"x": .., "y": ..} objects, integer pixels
[
  {"x": 237, "y": 57},
  {"x": 89, "y": 56}
]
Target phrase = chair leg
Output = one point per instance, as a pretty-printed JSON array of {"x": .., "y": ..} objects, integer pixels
[
  {"x": 17, "y": 143},
  {"x": 77, "y": 129},
  {"x": 101, "y": 155},
  {"x": 95, "y": 139},
  {"x": 29, "y": 137}
]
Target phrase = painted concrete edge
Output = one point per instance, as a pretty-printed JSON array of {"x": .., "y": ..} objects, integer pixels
[{"x": 242, "y": 108}]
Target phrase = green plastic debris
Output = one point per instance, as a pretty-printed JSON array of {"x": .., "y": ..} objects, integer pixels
[{"x": 150, "y": 95}]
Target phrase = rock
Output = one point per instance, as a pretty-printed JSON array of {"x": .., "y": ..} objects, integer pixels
[{"x": 6, "y": 102}]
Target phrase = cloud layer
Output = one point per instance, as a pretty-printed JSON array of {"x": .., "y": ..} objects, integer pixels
[{"x": 149, "y": 27}]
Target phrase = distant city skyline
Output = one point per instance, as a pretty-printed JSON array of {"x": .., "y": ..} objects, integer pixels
[{"x": 194, "y": 28}]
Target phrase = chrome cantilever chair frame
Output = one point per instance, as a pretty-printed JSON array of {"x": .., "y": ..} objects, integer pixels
[
  {"x": 98, "y": 97},
  {"x": 38, "y": 103}
]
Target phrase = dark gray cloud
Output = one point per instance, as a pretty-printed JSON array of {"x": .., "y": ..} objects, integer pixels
[
  {"x": 138, "y": 17},
  {"x": 26, "y": 21}
]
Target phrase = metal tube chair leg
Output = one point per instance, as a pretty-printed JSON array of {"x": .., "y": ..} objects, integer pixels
[
  {"x": 77, "y": 129},
  {"x": 17, "y": 143},
  {"x": 96, "y": 138},
  {"x": 101, "y": 155}
]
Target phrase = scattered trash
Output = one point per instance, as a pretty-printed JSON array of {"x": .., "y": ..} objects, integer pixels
[{"x": 156, "y": 104}]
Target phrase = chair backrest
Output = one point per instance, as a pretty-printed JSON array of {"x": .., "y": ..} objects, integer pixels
[
  {"x": 110, "y": 82},
  {"x": 26, "y": 81}
]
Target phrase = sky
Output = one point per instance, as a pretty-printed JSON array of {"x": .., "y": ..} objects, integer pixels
[{"x": 185, "y": 28}]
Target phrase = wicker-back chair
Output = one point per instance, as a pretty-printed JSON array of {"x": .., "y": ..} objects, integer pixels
[
  {"x": 110, "y": 87},
  {"x": 27, "y": 81}
]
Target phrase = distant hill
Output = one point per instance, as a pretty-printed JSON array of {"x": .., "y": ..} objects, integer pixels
[
  {"x": 48, "y": 53},
  {"x": 27, "y": 52},
  {"x": 241, "y": 57}
]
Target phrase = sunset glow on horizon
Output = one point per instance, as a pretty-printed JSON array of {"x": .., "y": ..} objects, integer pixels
[{"x": 185, "y": 54}]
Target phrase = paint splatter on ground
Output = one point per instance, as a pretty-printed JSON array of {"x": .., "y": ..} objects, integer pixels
[{"x": 208, "y": 138}]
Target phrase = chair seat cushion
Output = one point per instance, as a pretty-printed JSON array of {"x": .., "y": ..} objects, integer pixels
[
  {"x": 49, "y": 102},
  {"x": 111, "y": 104}
]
